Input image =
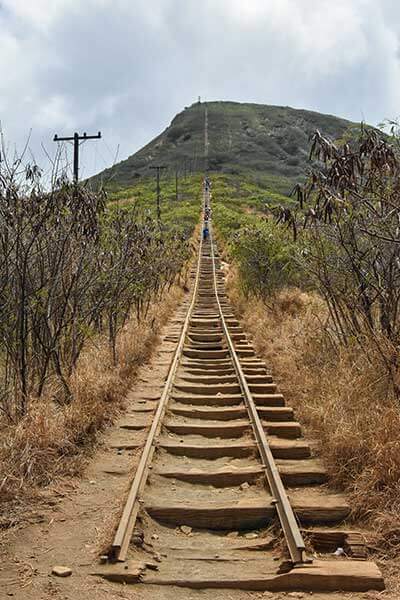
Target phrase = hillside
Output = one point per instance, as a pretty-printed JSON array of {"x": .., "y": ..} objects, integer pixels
[{"x": 253, "y": 138}]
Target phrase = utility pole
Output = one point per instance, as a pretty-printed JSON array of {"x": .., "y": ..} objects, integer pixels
[
  {"x": 76, "y": 138},
  {"x": 158, "y": 168}
]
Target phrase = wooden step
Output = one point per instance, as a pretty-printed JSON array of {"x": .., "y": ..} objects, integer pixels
[
  {"x": 207, "y": 345},
  {"x": 262, "y": 388},
  {"x": 269, "y": 399},
  {"x": 208, "y": 412},
  {"x": 232, "y": 449},
  {"x": 209, "y": 430},
  {"x": 257, "y": 377},
  {"x": 287, "y": 449},
  {"x": 196, "y": 353},
  {"x": 205, "y": 337},
  {"x": 302, "y": 472},
  {"x": 289, "y": 429},
  {"x": 208, "y": 390},
  {"x": 246, "y": 513},
  {"x": 207, "y": 371},
  {"x": 225, "y": 477},
  {"x": 272, "y": 413},
  {"x": 209, "y": 379},
  {"x": 219, "y": 363},
  {"x": 295, "y": 473},
  {"x": 222, "y": 400},
  {"x": 241, "y": 352},
  {"x": 275, "y": 413},
  {"x": 319, "y": 576},
  {"x": 280, "y": 448}
]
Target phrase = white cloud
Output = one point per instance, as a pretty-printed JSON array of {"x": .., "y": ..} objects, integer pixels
[{"x": 126, "y": 67}]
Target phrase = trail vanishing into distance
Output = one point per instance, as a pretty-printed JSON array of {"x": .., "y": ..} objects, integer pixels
[
  {"x": 198, "y": 372},
  {"x": 225, "y": 478}
]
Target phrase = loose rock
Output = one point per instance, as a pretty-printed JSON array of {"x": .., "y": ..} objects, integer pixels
[
  {"x": 186, "y": 529},
  {"x": 232, "y": 534},
  {"x": 61, "y": 571}
]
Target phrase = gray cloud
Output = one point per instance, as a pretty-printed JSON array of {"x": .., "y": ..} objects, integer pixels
[{"x": 126, "y": 67}]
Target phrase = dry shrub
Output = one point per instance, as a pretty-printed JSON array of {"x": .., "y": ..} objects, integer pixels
[
  {"x": 52, "y": 441},
  {"x": 339, "y": 395}
]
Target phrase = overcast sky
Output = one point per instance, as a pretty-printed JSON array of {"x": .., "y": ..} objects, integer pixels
[{"x": 126, "y": 67}]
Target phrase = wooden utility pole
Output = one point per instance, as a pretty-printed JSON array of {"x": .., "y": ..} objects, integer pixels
[
  {"x": 158, "y": 168},
  {"x": 76, "y": 138}
]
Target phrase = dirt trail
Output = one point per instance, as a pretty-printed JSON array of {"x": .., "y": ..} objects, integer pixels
[{"x": 79, "y": 518}]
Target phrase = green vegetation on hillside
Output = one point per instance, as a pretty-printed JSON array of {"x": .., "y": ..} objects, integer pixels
[{"x": 268, "y": 145}]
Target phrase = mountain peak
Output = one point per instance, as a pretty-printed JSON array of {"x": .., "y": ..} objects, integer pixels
[{"x": 243, "y": 137}]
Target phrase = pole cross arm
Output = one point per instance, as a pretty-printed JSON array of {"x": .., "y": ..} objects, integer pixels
[{"x": 76, "y": 138}]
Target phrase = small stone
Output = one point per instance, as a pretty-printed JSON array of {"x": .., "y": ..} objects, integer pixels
[
  {"x": 61, "y": 571},
  {"x": 157, "y": 557},
  {"x": 154, "y": 536},
  {"x": 269, "y": 594},
  {"x": 245, "y": 486},
  {"x": 103, "y": 559},
  {"x": 232, "y": 534},
  {"x": 119, "y": 452},
  {"x": 186, "y": 529},
  {"x": 295, "y": 595},
  {"x": 92, "y": 482},
  {"x": 216, "y": 555},
  {"x": 251, "y": 536}
]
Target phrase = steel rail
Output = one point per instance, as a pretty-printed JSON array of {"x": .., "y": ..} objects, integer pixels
[
  {"x": 120, "y": 544},
  {"x": 294, "y": 539}
]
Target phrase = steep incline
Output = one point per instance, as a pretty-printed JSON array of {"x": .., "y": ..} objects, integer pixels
[{"x": 251, "y": 138}]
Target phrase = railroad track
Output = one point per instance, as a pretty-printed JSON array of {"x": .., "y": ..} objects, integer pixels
[{"x": 227, "y": 490}]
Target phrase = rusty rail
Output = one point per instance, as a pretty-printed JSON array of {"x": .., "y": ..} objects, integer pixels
[
  {"x": 293, "y": 537},
  {"x": 294, "y": 540},
  {"x": 120, "y": 544}
]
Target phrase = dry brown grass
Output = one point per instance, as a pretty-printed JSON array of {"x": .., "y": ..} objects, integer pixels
[
  {"x": 52, "y": 441},
  {"x": 341, "y": 398}
]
